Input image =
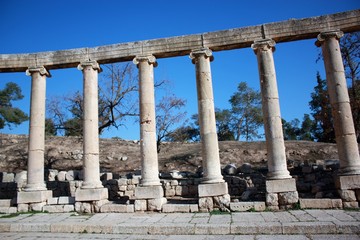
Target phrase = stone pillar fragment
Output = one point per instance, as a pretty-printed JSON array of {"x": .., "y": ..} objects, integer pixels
[
  {"x": 208, "y": 135},
  {"x": 340, "y": 103},
  {"x": 35, "y": 171},
  {"x": 149, "y": 156},
  {"x": 91, "y": 163},
  {"x": 271, "y": 109}
]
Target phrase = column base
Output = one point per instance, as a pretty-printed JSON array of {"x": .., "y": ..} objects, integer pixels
[
  {"x": 149, "y": 198},
  {"x": 349, "y": 190},
  {"x": 33, "y": 197},
  {"x": 92, "y": 185},
  {"x": 349, "y": 171},
  {"x": 278, "y": 175},
  {"x": 281, "y": 193},
  {"x": 214, "y": 196},
  {"x": 93, "y": 194},
  {"x": 30, "y": 187},
  {"x": 149, "y": 183}
]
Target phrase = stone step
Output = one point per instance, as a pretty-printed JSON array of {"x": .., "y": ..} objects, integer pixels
[
  {"x": 180, "y": 208},
  {"x": 117, "y": 208}
]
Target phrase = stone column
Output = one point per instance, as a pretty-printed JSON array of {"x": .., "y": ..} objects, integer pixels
[
  {"x": 90, "y": 71},
  {"x": 348, "y": 180},
  {"x": 213, "y": 191},
  {"x": 208, "y": 135},
  {"x": 35, "y": 193},
  {"x": 271, "y": 110},
  {"x": 92, "y": 195},
  {"x": 280, "y": 187},
  {"x": 35, "y": 171},
  {"x": 340, "y": 103},
  {"x": 149, "y": 156},
  {"x": 150, "y": 194}
]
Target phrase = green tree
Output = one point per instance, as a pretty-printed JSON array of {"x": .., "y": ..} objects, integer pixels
[
  {"x": 293, "y": 130},
  {"x": 223, "y": 119},
  {"x": 50, "y": 128},
  {"x": 184, "y": 134},
  {"x": 320, "y": 107},
  {"x": 10, "y": 115},
  {"x": 246, "y": 112}
]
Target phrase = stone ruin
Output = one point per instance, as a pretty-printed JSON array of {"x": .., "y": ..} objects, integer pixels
[{"x": 148, "y": 192}]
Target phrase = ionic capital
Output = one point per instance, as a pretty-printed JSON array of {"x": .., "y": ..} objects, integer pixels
[
  {"x": 92, "y": 63},
  {"x": 263, "y": 45},
  {"x": 151, "y": 59},
  {"x": 206, "y": 52},
  {"x": 327, "y": 35},
  {"x": 41, "y": 70}
]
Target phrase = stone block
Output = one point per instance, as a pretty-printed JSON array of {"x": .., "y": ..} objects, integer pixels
[
  {"x": 241, "y": 206},
  {"x": 38, "y": 207},
  {"x": 61, "y": 176},
  {"x": 53, "y": 208},
  {"x": 23, "y": 207},
  {"x": 5, "y": 202},
  {"x": 8, "y": 210},
  {"x": 149, "y": 192},
  {"x": 170, "y": 192},
  {"x": 288, "y": 198},
  {"x": 140, "y": 205},
  {"x": 69, "y": 208},
  {"x": 212, "y": 189},
  {"x": 281, "y": 185},
  {"x": 347, "y": 195},
  {"x": 272, "y": 199},
  {"x": 194, "y": 207},
  {"x": 7, "y": 177},
  {"x": 350, "y": 204},
  {"x": 337, "y": 203},
  {"x": 156, "y": 204},
  {"x": 117, "y": 208},
  {"x": 52, "y": 201},
  {"x": 33, "y": 197},
  {"x": 92, "y": 194},
  {"x": 348, "y": 182},
  {"x": 66, "y": 200},
  {"x": 315, "y": 203},
  {"x": 206, "y": 204},
  {"x": 178, "y": 208}
]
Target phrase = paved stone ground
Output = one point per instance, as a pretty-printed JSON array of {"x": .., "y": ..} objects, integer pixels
[{"x": 297, "y": 225}]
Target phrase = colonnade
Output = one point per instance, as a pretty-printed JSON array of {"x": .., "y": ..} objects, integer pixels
[{"x": 343, "y": 122}]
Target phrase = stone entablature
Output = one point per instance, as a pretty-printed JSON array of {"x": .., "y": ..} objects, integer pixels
[{"x": 284, "y": 31}]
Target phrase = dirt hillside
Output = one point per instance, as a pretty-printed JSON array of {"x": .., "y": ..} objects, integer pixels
[{"x": 121, "y": 156}]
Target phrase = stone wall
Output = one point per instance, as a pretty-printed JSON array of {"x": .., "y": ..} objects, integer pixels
[{"x": 315, "y": 183}]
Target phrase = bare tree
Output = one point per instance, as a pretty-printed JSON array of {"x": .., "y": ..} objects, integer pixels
[{"x": 168, "y": 114}]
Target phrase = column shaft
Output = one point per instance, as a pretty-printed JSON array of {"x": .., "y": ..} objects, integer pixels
[
  {"x": 91, "y": 163},
  {"x": 206, "y": 113},
  {"x": 340, "y": 103},
  {"x": 271, "y": 110},
  {"x": 35, "y": 168},
  {"x": 149, "y": 156}
]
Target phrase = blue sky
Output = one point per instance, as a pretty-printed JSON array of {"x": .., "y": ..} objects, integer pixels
[{"x": 45, "y": 25}]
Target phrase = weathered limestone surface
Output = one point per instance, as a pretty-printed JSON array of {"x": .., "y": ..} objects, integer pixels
[
  {"x": 90, "y": 71},
  {"x": 271, "y": 109},
  {"x": 281, "y": 185},
  {"x": 340, "y": 103},
  {"x": 35, "y": 173},
  {"x": 290, "y": 30},
  {"x": 214, "y": 189},
  {"x": 91, "y": 194},
  {"x": 208, "y": 134},
  {"x": 33, "y": 197},
  {"x": 148, "y": 147},
  {"x": 149, "y": 192}
]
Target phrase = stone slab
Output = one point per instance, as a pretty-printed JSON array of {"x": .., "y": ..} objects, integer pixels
[
  {"x": 281, "y": 185},
  {"x": 179, "y": 208},
  {"x": 93, "y": 194},
  {"x": 149, "y": 192},
  {"x": 246, "y": 206},
  {"x": 117, "y": 208},
  {"x": 348, "y": 182},
  {"x": 212, "y": 189},
  {"x": 33, "y": 197},
  {"x": 66, "y": 200}
]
